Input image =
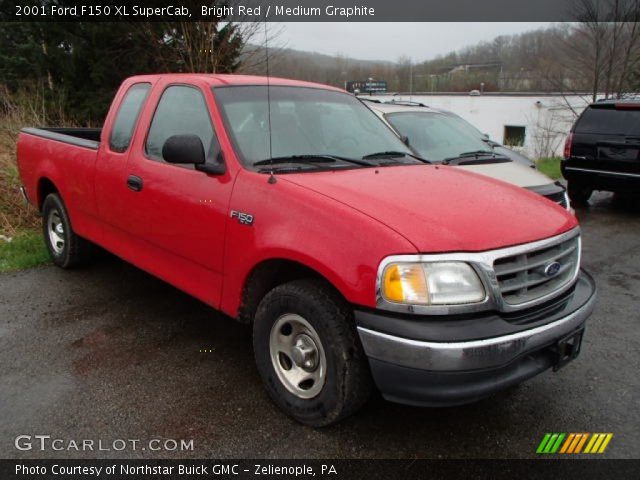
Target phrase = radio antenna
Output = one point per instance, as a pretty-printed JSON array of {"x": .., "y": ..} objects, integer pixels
[{"x": 272, "y": 178}]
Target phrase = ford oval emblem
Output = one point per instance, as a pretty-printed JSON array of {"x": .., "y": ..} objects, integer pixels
[{"x": 552, "y": 269}]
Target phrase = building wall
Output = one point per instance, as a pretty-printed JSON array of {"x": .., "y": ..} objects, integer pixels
[{"x": 547, "y": 118}]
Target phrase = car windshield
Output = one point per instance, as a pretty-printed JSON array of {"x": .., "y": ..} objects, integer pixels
[
  {"x": 305, "y": 122},
  {"x": 436, "y": 136},
  {"x": 466, "y": 126}
]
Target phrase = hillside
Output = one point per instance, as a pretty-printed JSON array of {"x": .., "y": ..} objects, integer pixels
[
  {"x": 313, "y": 66},
  {"x": 597, "y": 56}
]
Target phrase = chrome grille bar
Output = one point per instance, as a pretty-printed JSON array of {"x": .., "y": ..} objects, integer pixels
[{"x": 537, "y": 273}]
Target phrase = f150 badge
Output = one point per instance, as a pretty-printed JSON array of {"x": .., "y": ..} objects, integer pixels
[{"x": 243, "y": 218}]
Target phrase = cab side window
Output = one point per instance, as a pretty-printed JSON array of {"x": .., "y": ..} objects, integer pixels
[
  {"x": 181, "y": 110},
  {"x": 127, "y": 117}
]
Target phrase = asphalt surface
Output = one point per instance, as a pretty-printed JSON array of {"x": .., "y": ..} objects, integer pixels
[{"x": 109, "y": 352}]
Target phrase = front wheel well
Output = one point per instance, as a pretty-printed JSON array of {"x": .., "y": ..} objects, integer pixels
[
  {"x": 266, "y": 276},
  {"x": 45, "y": 187}
]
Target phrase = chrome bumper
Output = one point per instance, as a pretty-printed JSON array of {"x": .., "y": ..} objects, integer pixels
[
  {"x": 470, "y": 355},
  {"x": 603, "y": 172}
]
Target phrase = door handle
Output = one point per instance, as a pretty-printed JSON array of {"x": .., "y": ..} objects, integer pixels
[{"x": 134, "y": 183}]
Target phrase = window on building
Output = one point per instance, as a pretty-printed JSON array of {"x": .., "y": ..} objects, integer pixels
[{"x": 514, "y": 136}]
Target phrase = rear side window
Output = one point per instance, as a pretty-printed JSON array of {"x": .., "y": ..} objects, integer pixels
[
  {"x": 609, "y": 121},
  {"x": 181, "y": 111},
  {"x": 127, "y": 116}
]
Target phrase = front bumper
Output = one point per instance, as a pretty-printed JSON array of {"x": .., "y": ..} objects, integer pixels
[{"x": 448, "y": 361}]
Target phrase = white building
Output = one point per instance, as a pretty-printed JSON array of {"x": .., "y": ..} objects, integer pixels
[{"x": 536, "y": 124}]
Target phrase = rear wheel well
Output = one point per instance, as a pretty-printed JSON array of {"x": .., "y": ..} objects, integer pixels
[
  {"x": 45, "y": 187},
  {"x": 265, "y": 277}
]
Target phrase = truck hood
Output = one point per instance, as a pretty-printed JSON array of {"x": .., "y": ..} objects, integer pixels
[
  {"x": 510, "y": 172},
  {"x": 440, "y": 208}
]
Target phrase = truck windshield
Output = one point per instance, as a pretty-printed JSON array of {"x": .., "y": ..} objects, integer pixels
[
  {"x": 436, "y": 136},
  {"x": 304, "y": 122}
]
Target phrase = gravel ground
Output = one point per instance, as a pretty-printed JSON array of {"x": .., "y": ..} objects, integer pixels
[{"x": 109, "y": 352}]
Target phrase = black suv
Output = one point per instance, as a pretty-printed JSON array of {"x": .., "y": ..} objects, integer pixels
[{"x": 602, "y": 151}]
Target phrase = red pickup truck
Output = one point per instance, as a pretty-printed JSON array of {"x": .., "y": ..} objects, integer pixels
[{"x": 290, "y": 206}]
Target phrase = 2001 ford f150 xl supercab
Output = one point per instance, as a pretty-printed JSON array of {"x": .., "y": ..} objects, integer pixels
[{"x": 290, "y": 206}]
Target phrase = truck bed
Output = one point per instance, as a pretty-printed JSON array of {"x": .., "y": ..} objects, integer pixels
[{"x": 81, "y": 137}]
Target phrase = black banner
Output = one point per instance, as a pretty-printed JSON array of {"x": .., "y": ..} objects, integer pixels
[
  {"x": 297, "y": 10},
  {"x": 318, "y": 469}
]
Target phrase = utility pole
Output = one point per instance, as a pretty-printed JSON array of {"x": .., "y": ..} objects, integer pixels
[{"x": 410, "y": 78}]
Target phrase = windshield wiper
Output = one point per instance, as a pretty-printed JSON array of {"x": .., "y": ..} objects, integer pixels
[
  {"x": 318, "y": 158},
  {"x": 394, "y": 154},
  {"x": 462, "y": 156},
  {"x": 296, "y": 159},
  {"x": 490, "y": 142}
]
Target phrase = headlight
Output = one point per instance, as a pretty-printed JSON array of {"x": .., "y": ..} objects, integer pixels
[{"x": 434, "y": 283}]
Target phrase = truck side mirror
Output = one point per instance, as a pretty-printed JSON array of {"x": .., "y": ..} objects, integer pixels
[
  {"x": 183, "y": 149},
  {"x": 188, "y": 149}
]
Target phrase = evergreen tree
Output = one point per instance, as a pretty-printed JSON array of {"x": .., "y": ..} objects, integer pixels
[{"x": 83, "y": 63}]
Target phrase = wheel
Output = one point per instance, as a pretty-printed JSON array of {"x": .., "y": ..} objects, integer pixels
[
  {"x": 308, "y": 353},
  {"x": 579, "y": 194},
  {"x": 65, "y": 247}
]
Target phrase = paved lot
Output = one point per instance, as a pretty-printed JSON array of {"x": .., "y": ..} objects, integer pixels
[{"x": 109, "y": 352}]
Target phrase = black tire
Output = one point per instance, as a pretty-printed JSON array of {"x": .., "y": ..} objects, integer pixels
[
  {"x": 579, "y": 194},
  {"x": 72, "y": 250},
  {"x": 347, "y": 381}
]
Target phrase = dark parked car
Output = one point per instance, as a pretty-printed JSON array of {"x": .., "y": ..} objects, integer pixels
[{"x": 602, "y": 152}]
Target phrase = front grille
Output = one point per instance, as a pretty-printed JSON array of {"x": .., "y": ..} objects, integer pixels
[
  {"x": 560, "y": 198},
  {"x": 531, "y": 275}
]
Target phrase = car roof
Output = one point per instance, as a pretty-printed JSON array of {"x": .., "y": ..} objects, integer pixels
[
  {"x": 221, "y": 80},
  {"x": 399, "y": 107},
  {"x": 635, "y": 101}
]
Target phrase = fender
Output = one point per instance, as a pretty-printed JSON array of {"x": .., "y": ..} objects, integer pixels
[{"x": 291, "y": 222}]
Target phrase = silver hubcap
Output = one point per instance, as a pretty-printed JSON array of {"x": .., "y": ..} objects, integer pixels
[
  {"x": 56, "y": 231},
  {"x": 297, "y": 356}
]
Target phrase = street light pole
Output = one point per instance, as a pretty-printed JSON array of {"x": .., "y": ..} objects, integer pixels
[{"x": 410, "y": 78}]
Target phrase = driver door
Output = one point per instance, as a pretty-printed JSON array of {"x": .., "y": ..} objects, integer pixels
[{"x": 177, "y": 214}]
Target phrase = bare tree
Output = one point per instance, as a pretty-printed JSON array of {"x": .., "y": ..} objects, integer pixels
[
  {"x": 206, "y": 47},
  {"x": 262, "y": 38},
  {"x": 550, "y": 128},
  {"x": 219, "y": 45},
  {"x": 604, "y": 46}
]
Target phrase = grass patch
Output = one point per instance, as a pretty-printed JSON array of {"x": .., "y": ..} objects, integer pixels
[
  {"x": 26, "y": 250},
  {"x": 550, "y": 166}
]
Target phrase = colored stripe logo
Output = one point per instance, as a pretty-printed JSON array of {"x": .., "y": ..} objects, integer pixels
[{"x": 574, "y": 443}]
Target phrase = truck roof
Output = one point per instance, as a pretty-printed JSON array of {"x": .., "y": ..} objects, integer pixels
[{"x": 232, "y": 79}]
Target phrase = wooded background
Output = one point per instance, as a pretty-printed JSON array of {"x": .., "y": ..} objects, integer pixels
[{"x": 73, "y": 69}]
